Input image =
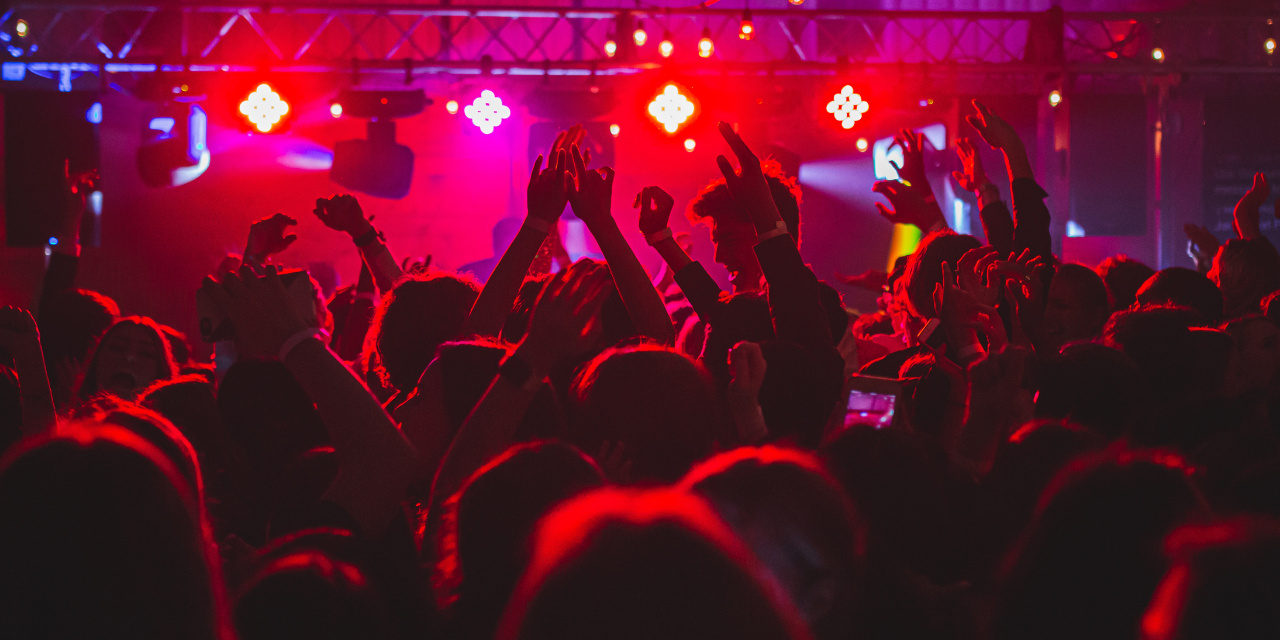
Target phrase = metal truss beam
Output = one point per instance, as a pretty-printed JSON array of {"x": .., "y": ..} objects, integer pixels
[{"x": 566, "y": 41}]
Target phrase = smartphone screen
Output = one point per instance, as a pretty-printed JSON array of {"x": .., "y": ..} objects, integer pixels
[{"x": 866, "y": 407}]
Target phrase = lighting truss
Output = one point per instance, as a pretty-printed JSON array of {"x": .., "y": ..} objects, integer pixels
[{"x": 562, "y": 40}]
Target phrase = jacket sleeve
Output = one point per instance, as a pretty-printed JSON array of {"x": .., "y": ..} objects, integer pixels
[
  {"x": 997, "y": 224},
  {"x": 701, "y": 291},
  {"x": 795, "y": 300},
  {"x": 1031, "y": 219}
]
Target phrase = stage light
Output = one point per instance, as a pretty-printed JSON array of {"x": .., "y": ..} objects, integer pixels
[
  {"x": 21, "y": 28},
  {"x": 1157, "y": 54},
  {"x": 487, "y": 111},
  {"x": 705, "y": 46},
  {"x": 1055, "y": 98},
  {"x": 335, "y": 109},
  {"x": 666, "y": 47},
  {"x": 452, "y": 107},
  {"x": 1270, "y": 46},
  {"x": 689, "y": 144},
  {"x": 639, "y": 35},
  {"x": 610, "y": 47},
  {"x": 174, "y": 148},
  {"x": 376, "y": 165},
  {"x": 614, "y": 130},
  {"x": 861, "y": 144},
  {"x": 797, "y": 2},
  {"x": 847, "y": 107},
  {"x": 746, "y": 30},
  {"x": 94, "y": 114},
  {"x": 264, "y": 108},
  {"x": 671, "y": 109}
]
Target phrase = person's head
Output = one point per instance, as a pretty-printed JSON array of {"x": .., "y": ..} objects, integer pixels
[
  {"x": 485, "y": 535},
  {"x": 1090, "y": 560},
  {"x": 1124, "y": 276},
  {"x": 1258, "y": 349},
  {"x": 924, "y": 267},
  {"x": 1246, "y": 271},
  {"x": 634, "y": 565},
  {"x": 71, "y": 322},
  {"x": 1158, "y": 339},
  {"x": 1224, "y": 582},
  {"x": 731, "y": 229},
  {"x": 103, "y": 538},
  {"x": 800, "y": 390},
  {"x": 794, "y": 516},
  {"x": 189, "y": 403},
  {"x": 414, "y": 319},
  {"x": 131, "y": 355},
  {"x": 268, "y": 414},
  {"x": 307, "y": 594},
  {"x": 658, "y": 403},
  {"x": 1078, "y": 305},
  {"x": 1185, "y": 288},
  {"x": 1092, "y": 385}
]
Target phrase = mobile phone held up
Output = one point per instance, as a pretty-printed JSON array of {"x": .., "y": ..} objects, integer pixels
[
  {"x": 872, "y": 401},
  {"x": 215, "y": 324}
]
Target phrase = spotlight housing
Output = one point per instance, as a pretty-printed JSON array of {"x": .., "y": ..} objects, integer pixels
[{"x": 705, "y": 46}]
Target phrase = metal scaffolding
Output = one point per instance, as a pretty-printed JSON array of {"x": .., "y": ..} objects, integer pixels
[{"x": 563, "y": 40}]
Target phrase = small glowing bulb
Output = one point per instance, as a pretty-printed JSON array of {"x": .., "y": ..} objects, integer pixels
[
  {"x": 451, "y": 106},
  {"x": 1157, "y": 54},
  {"x": 639, "y": 35},
  {"x": 861, "y": 144},
  {"x": 610, "y": 47},
  {"x": 747, "y": 30},
  {"x": 666, "y": 46},
  {"x": 689, "y": 144},
  {"x": 614, "y": 130},
  {"x": 1055, "y": 98},
  {"x": 335, "y": 109},
  {"x": 1270, "y": 45},
  {"x": 705, "y": 46},
  {"x": 797, "y": 2},
  {"x": 21, "y": 28}
]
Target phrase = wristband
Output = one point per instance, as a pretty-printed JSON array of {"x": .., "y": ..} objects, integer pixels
[
  {"x": 778, "y": 230},
  {"x": 367, "y": 238},
  {"x": 517, "y": 373},
  {"x": 541, "y": 226},
  {"x": 658, "y": 236},
  {"x": 300, "y": 337}
]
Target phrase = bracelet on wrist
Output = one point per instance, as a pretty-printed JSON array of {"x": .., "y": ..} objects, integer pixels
[
  {"x": 539, "y": 225},
  {"x": 779, "y": 229},
  {"x": 658, "y": 236},
  {"x": 368, "y": 237}
]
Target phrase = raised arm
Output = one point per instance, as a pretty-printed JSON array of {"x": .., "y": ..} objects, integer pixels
[
  {"x": 591, "y": 200},
  {"x": 20, "y": 336},
  {"x": 1030, "y": 215},
  {"x": 562, "y": 326},
  {"x": 359, "y": 317},
  {"x": 795, "y": 301},
  {"x": 343, "y": 213},
  {"x": 64, "y": 252},
  {"x": 1247, "y": 213},
  {"x": 997, "y": 223},
  {"x": 546, "y": 198},
  {"x": 376, "y": 463},
  {"x": 268, "y": 237}
]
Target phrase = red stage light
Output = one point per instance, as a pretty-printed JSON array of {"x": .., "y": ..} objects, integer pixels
[
  {"x": 335, "y": 109},
  {"x": 746, "y": 30},
  {"x": 451, "y": 106},
  {"x": 264, "y": 108},
  {"x": 614, "y": 130},
  {"x": 671, "y": 109},
  {"x": 847, "y": 107},
  {"x": 666, "y": 47},
  {"x": 862, "y": 144},
  {"x": 610, "y": 47},
  {"x": 690, "y": 144},
  {"x": 639, "y": 35}
]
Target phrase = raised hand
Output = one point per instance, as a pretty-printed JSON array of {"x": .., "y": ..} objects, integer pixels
[
  {"x": 546, "y": 195},
  {"x": 957, "y": 308},
  {"x": 342, "y": 213},
  {"x": 1024, "y": 267},
  {"x": 655, "y": 209},
  {"x": 591, "y": 196},
  {"x": 993, "y": 129},
  {"x": 260, "y": 309},
  {"x": 748, "y": 186},
  {"x": 976, "y": 274},
  {"x": 909, "y": 206},
  {"x": 972, "y": 177},
  {"x": 747, "y": 368},
  {"x": 568, "y": 139},
  {"x": 912, "y": 169},
  {"x": 267, "y": 237},
  {"x": 1202, "y": 245},
  {"x": 1247, "y": 214},
  {"x": 564, "y": 320},
  {"x": 871, "y": 280}
]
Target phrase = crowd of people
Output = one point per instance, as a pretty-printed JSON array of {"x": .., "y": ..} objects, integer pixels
[{"x": 583, "y": 450}]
